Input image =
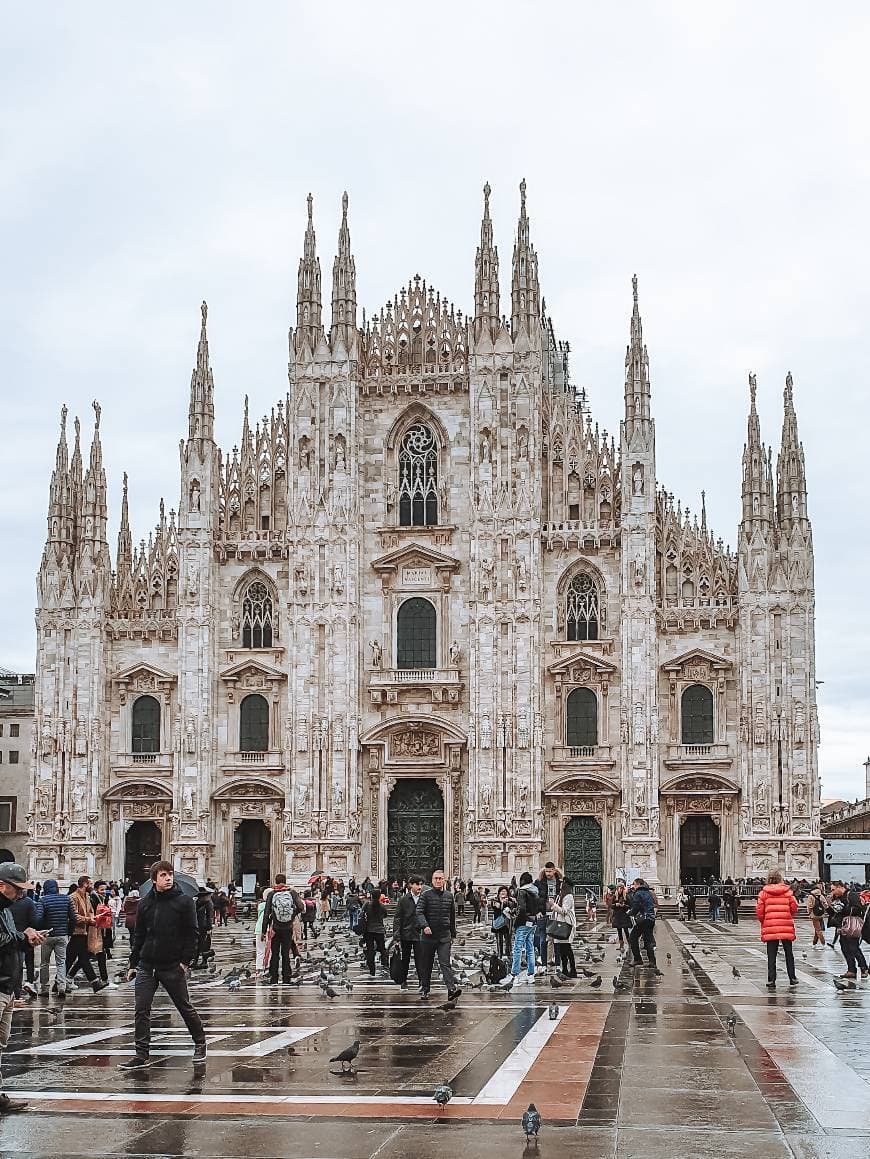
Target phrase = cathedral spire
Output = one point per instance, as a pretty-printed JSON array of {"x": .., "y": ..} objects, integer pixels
[
  {"x": 94, "y": 515},
  {"x": 525, "y": 290},
  {"x": 60, "y": 517},
  {"x": 637, "y": 388},
  {"x": 308, "y": 300},
  {"x": 486, "y": 295},
  {"x": 756, "y": 490},
  {"x": 343, "y": 285},
  {"x": 201, "y": 411},
  {"x": 125, "y": 539},
  {"x": 791, "y": 479}
]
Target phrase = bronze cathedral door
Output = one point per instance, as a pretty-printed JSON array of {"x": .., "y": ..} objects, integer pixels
[{"x": 415, "y": 829}]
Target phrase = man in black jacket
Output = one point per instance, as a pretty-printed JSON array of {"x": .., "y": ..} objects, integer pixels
[
  {"x": 436, "y": 918},
  {"x": 164, "y": 945},
  {"x": 13, "y": 884},
  {"x": 406, "y": 931}
]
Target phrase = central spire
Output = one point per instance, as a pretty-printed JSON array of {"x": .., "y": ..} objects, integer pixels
[
  {"x": 343, "y": 286},
  {"x": 486, "y": 290},
  {"x": 525, "y": 290},
  {"x": 637, "y": 388},
  {"x": 308, "y": 300},
  {"x": 201, "y": 409}
]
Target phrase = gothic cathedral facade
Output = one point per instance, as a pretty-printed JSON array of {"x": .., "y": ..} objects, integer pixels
[{"x": 427, "y": 612}]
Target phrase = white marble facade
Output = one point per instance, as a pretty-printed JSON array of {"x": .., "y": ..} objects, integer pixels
[{"x": 434, "y": 456}]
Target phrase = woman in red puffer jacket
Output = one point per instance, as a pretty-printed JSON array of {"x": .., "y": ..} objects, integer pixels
[{"x": 775, "y": 909}]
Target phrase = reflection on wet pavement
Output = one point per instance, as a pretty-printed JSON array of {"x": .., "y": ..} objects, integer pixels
[{"x": 651, "y": 1068}]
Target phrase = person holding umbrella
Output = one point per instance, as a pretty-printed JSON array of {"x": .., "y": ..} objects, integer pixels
[{"x": 164, "y": 944}]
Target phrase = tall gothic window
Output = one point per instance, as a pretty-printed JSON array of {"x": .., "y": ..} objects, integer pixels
[
  {"x": 582, "y": 611},
  {"x": 146, "y": 725},
  {"x": 581, "y": 711},
  {"x": 418, "y": 477},
  {"x": 257, "y": 617},
  {"x": 254, "y": 724},
  {"x": 415, "y": 635},
  {"x": 697, "y": 715}
]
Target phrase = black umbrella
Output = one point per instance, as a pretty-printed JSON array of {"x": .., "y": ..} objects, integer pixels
[{"x": 184, "y": 881}]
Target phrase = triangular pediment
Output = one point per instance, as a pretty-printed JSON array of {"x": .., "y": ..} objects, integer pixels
[
  {"x": 140, "y": 671},
  {"x": 250, "y": 666},
  {"x": 582, "y": 659},
  {"x": 698, "y": 656},
  {"x": 415, "y": 555}
]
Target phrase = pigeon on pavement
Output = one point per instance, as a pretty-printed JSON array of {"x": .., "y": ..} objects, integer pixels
[
  {"x": 531, "y": 1121},
  {"x": 735, "y": 971},
  {"x": 347, "y": 1055},
  {"x": 443, "y": 1094}
]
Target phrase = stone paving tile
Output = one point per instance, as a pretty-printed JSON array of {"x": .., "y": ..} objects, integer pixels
[{"x": 700, "y": 1144}]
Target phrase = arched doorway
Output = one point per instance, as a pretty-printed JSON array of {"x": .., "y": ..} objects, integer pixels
[
  {"x": 582, "y": 856},
  {"x": 251, "y": 843},
  {"x": 143, "y": 845},
  {"x": 6, "y": 855},
  {"x": 415, "y": 828},
  {"x": 699, "y": 849}
]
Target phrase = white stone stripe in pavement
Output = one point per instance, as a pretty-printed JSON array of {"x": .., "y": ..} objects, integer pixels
[
  {"x": 504, "y": 1083},
  {"x": 230, "y": 1099},
  {"x": 834, "y": 1093}
]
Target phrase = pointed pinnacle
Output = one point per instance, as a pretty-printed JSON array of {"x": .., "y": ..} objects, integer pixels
[
  {"x": 634, "y": 288},
  {"x": 344, "y": 205},
  {"x": 310, "y": 209},
  {"x": 523, "y": 196}
]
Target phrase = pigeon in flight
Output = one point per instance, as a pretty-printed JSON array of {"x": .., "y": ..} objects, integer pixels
[{"x": 346, "y": 1057}]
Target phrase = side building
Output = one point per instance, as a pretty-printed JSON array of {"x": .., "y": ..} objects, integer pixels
[
  {"x": 16, "y": 738},
  {"x": 428, "y": 611}
]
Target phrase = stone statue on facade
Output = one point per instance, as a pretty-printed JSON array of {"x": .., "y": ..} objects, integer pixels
[{"x": 376, "y": 653}]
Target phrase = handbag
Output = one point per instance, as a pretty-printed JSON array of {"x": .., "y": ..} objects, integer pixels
[
  {"x": 851, "y": 926},
  {"x": 559, "y": 931},
  {"x": 499, "y": 922}
]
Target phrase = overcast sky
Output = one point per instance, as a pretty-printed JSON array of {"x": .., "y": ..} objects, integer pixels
[{"x": 154, "y": 156}]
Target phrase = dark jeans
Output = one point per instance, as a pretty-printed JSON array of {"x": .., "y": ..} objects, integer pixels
[
  {"x": 77, "y": 956},
  {"x": 376, "y": 942},
  {"x": 565, "y": 958},
  {"x": 409, "y": 948},
  {"x": 691, "y": 905},
  {"x": 203, "y": 948},
  {"x": 772, "y": 950},
  {"x": 643, "y": 929},
  {"x": 173, "y": 979},
  {"x": 28, "y": 961},
  {"x": 73, "y": 969},
  {"x": 429, "y": 947},
  {"x": 282, "y": 940},
  {"x": 853, "y": 954},
  {"x": 503, "y": 942}
]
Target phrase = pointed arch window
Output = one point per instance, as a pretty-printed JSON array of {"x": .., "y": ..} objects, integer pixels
[
  {"x": 254, "y": 724},
  {"x": 257, "y": 617},
  {"x": 146, "y": 725},
  {"x": 696, "y": 713},
  {"x": 418, "y": 477},
  {"x": 415, "y": 635},
  {"x": 583, "y": 608}
]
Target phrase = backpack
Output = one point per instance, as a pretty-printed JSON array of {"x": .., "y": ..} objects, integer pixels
[
  {"x": 496, "y": 970},
  {"x": 818, "y": 908},
  {"x": 283, "y": 907}
]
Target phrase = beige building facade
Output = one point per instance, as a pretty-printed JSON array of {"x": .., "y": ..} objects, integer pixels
[
  {"x": 427, "y": 611},
  {"x": 16, "y": 738}
]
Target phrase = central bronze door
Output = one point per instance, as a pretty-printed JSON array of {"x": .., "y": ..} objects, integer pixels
[
  {"x": 415, "y": 829},
  {"x": 582, "y": 857}
]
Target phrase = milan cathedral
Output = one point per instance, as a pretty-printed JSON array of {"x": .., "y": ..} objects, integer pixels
[{"x": 427, "y": 613}]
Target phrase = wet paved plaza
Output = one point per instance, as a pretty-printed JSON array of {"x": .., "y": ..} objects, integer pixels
[{"x": 651, "y": 1068}]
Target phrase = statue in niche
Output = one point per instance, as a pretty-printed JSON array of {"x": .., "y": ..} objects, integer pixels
[
  {"x": 761, "y": 798},
  {"x": 78, "y": 798},
  {"x": 638, "y": 571},
  {"x": 190, "y": 736},
  {"x": 639, "y": 730},
  {"x": 744, "y": 727},
  {"x": 338, "y": 579},
  {"x": 340, "y": 461},
  {"x": 637, "y": 480},
  {"x": 187, "y": 799},
  {"x": 43, "y": 802},
  {"x": 301, "y": 799},
  {"x": 522, "y": 446},
  {"x": 194, "y": 497},
  {"x": 81, "y": 739},
  {"x": 376, "y": 653},
  {"x": 522, "y": 574},
  {"x": 300, "y": 575},
  {"x": 487, "y": 570},
  {"x": 640, "y": 796},
  {"x": 485, "y": 798},
  {"x": 353, "y": 825},
  {"x": 523, "y": 806},
  {"x": 623, "y": 729},
  {"x": 455, "y": 654},
  {"x": 338, "y": 796}
]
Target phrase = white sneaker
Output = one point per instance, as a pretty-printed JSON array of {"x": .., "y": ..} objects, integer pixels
[{"x": 508, "y": 981}]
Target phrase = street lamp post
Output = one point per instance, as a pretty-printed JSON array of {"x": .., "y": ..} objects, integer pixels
[{"x": 867, "y": 778}]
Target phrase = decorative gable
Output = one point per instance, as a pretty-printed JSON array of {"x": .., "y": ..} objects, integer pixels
[
  {"x": 144, "y": 678},
  {"x": 416, "y": 566},
  {"x": 251, "y": 675},
  {"x": 698, "y": 665}
]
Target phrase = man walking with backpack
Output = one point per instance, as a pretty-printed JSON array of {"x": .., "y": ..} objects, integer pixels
[{"x": 282, "y": 906}]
